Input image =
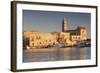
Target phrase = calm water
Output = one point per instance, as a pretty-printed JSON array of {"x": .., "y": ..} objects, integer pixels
[{"x": 57, "y": 54}]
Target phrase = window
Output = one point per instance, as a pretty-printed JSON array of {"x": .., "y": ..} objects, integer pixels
[
  {"x": 32, "y": 39},
  {"x": 49, "y": 40},
  {"x": 38, "y": 37},
  {"x": 32, "y": 44}
]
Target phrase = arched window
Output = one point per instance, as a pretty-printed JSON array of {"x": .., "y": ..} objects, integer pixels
[
  {"x": 32, "y": 39},
  {"x": 32, "y": 44}
]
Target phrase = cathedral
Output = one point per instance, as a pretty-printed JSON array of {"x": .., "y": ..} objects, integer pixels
[{"x": 32, "y": 39}]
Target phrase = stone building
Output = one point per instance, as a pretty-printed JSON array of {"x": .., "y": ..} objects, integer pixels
[
  {"x": 40, "y": 39},
  {"x": 66, "y": 37}
]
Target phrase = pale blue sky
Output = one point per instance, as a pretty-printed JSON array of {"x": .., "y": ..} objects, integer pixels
[{"x": 51, "y": 21}]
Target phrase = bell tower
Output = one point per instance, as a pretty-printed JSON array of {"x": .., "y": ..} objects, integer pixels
[{"x": 64, "y": 24}]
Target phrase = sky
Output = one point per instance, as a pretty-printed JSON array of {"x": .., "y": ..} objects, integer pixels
[{"x": 51, "y": 21}]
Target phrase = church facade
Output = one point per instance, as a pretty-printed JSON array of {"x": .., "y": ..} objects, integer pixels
[{"x": 65, "y": 37}]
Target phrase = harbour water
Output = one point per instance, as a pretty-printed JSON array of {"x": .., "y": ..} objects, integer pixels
[{"x": 54, "y": 54}]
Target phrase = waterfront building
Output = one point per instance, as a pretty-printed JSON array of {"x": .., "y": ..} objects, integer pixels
[{"x": 66, "y": 37}]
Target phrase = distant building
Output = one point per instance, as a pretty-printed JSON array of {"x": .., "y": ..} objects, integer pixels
[{"x": 66, "y": 37}]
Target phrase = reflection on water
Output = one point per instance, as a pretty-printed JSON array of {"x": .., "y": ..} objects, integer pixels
[{"x": 53, "y": 54}]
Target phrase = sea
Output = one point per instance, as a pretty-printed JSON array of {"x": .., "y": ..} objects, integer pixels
[{"x": 56, "y": 54}]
